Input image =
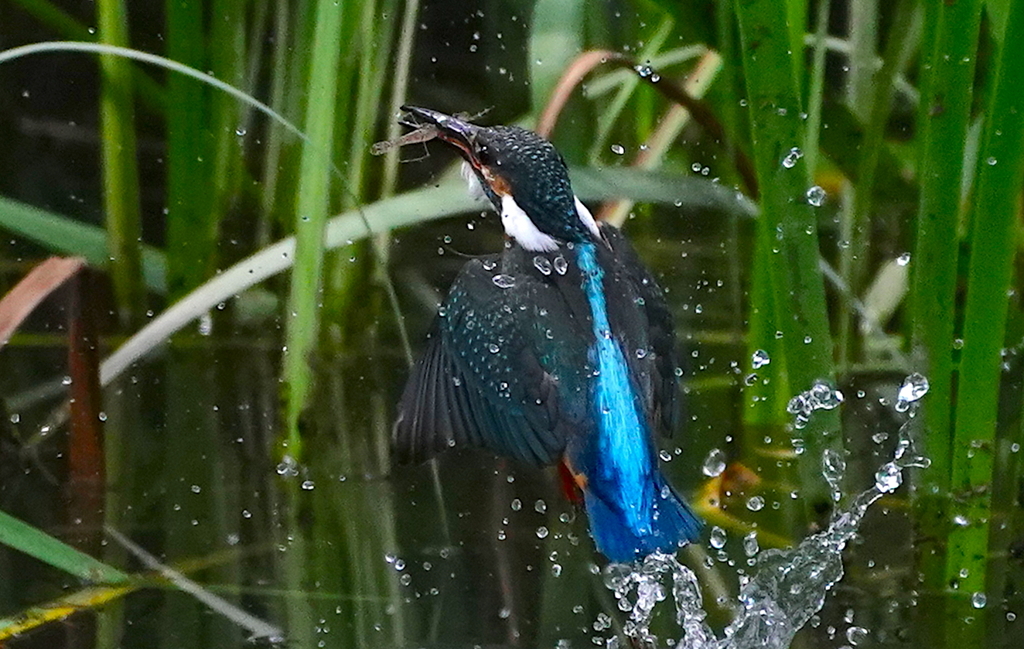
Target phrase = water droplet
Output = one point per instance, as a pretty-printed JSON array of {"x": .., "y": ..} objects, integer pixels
[
  {"x": 516, "y": 504},
  {"x": 665, "y": 455},
  {"x": 618, "y": 149},
  {"x": 542, "y": 532},
  {"x": 205, "y": 324},
  {"x": 641, "y": 353},
  {"x": 561, "y": 265},
  {"x": 502, "y": 280},
  {"x": 914, "y": 387},
  {"x": 240, "y": 131},
  {"x": 816, "y": 196},
  {"x": 978, "y": 600},
  {"x": 888, "y": 478},
  {"x": 856, "y": 635},
  {"x": 990, "y": 161},
  {"x": 714, "y": 463},
  {"x": 833, "y": 466},
  {"x": 287, "y": 466},
  {"x": 717, "y": 538},
  {"x": 750, "y": 546},
  {"x": 903, "y": 259},
  {"x": 543, "y": 264},
  {"x": 759, "y": 359},
  {"x": 540, "y": 507},
  {"x": 493, "y": 348},
  {"x": 790, "y": 160},
  {"x": 308, "y": 485},
  {"x": 755, "y": 503}
]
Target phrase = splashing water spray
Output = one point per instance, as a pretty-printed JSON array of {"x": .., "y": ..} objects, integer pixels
[{"x": 788, "y": 586}]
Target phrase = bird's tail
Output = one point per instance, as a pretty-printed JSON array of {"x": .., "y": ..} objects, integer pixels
[{"x": 673, "y": 524}]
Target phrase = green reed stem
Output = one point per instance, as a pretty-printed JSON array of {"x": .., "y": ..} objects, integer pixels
[
  {"x": 311, "y": 211},
  {"x": 189, "y": 256},
  {"x": 989, "y": 280},
  {"x": 948, "y": 55},
  {"x": 120, "y": 175},
  {"x": 787, "y": 224},
  {"x": 945, "y": 113}
]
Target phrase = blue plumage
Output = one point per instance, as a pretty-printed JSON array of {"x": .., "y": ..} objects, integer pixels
[{"x": 560, "y": 349}]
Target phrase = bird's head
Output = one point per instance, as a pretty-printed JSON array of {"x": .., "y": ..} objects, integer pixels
[{"x": 522, "y": 175}]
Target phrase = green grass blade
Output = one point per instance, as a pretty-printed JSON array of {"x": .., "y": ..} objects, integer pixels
[
  {"x": 311, "y": 211},
  {"x": 989, "y": 280},
  {"x": 61, "y": 234},
  {"x": 36, "y": 543},
  {"x": 948, "y": 54},
  {"x": 788, "y": 224},
  {"x": 945, "y": 114},
  {"x": 188, "y": 261},
  {"x": 120, "y": 173}
]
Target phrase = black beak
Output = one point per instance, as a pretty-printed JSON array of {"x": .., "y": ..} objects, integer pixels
[{"x": 455, "y": 131}]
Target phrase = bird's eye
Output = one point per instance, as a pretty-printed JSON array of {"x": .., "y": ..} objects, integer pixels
[{"x": 484, "y": 154}]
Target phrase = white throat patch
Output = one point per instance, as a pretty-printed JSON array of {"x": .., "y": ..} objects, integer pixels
[
  {"x": 476, "y": 190},
  {"x": 587, "y": 218},
  {"x": 518, "y": 225}
]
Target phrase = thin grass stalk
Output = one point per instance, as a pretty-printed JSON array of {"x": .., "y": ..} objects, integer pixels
[
  {"x": 729, "y": 115},
  {"x": 901, "y": 42},
  {"x": 274, "y": 150},
  {"x": 120, "y": 175},
  {"x": 863, "y": 39},
  {"x": 669, "y": 127},
  {"x": 399, "y": 89},
  {"x": 187, "y": 208},
  {"x": 371, "y": 38},
  {"x": 311, "y": 211},
  {"x": 787, "y": 225},
  {"x": 609, "y": 115},
  {"x": 227, "y": 60},
  {"x": 816, "y": 89},
  {"x": 989, "y": 280},
  {"x": 796, "y": 25}
]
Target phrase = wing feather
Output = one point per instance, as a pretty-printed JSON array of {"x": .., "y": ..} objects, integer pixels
[{"x": 479, "y": 382}]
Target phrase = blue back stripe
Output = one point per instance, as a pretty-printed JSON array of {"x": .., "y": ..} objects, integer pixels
[{"x": 622, "y": 434}]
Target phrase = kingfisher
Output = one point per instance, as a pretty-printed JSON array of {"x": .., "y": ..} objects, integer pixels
[{"x": 559, "y": 350}]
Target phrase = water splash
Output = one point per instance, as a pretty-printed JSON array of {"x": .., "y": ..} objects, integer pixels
[{"x": 787, "y": 587}]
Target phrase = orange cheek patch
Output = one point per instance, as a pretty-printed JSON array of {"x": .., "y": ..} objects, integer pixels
[{"x": 497, "y": 183}]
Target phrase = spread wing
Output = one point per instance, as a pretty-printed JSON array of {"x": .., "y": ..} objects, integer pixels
[{"x": 479, "y": 382}]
